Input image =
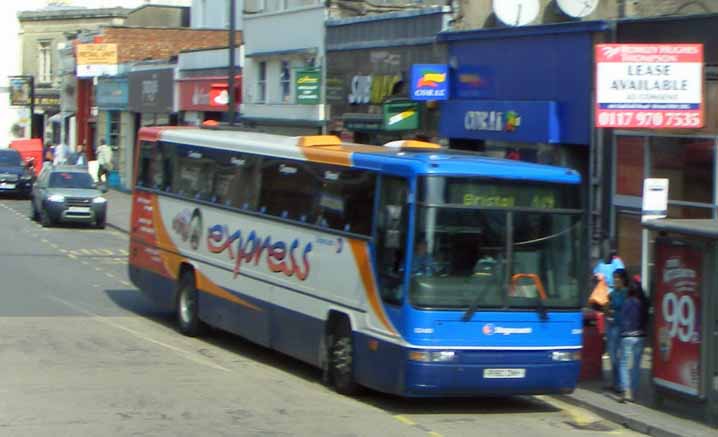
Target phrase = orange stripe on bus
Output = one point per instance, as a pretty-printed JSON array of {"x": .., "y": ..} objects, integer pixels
[
  {"x": 328, "y": 155},
  {"x": 206, "y": 285},
  {"x": 363, "y": 262},
  {"x": 172, "y": 262},
  {"x": 170, "y": 258}
]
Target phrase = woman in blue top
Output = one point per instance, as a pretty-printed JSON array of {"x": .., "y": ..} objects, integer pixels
[{"x": 613, "y": 322}]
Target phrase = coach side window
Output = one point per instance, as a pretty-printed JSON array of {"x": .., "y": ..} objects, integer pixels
[
  {"x": 391, "y": 236},
  {"x": 194, "y": 175},
  {"x": 346, "y": 199},
  {"x": 144, "y": 164},
  {"x": 287, "y": 190},
  {"x": 237, "y": 181}
]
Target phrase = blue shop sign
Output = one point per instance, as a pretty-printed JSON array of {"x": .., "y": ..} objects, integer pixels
[
  {"x": 112, "y": 94},
  {"x": 429, "y": 82},
  {"x": 501, "y": 120}
]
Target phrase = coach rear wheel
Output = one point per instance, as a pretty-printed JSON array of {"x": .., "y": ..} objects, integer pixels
[
  {"x": 341, "y": 359},
  {"x": 188, "y": 320}
]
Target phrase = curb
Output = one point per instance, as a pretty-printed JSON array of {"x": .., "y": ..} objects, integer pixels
[
  {"x": 630, "y": 422},
  {"x": 117, "y": 228}
]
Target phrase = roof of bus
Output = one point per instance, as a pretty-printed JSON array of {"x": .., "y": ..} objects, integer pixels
[{"x": 391, "y": 160}]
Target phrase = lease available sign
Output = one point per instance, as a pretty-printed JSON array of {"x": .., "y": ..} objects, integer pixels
[{"x": 649, "y": 86}]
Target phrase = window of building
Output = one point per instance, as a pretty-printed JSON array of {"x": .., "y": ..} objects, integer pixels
[
  {"x": 629, "y": 240},
  {"x": 629, "y": 165},
  {"x": 44, "y": 62},
  {"x": 687, "y": 163},
  {"x": 285, "y": 81},
  {"x": 114, "y": 129},
  {"x": 261, "y": 82}
]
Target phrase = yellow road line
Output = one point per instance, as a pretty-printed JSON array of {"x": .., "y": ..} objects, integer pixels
[
  {"x": 69, "y": 255},
  {"x": 405, "y": 420},
  {"x": 435, "y": 434},
  {"x": 579, "y": 416}
]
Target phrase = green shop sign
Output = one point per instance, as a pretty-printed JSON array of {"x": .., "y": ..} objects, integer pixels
[
  {"x": 400, "y": 116},
  {"x": 308, "y": 86}
]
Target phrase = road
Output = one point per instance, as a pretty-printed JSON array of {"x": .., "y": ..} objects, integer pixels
[{"x": 84, "y": 354}]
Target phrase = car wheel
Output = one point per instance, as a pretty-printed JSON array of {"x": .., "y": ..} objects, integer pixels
[
  {"x": 188, "y": 321},
  {"x": 100, "y": 223},
  {"x": 45, "y": 219},
  {"x": 33, "y": 211}
]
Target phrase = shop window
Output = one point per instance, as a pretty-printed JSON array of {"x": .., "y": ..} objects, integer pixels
[
  {"x": 285, "y": 81},
  {"x": 688, "y": 165},
  {"x": 261, "y": 82},
  {"x": 629, "y": 166},
  {"x": 114, "y": 129},
  {"x": 629, "y": 240},
  {"x": 687, "y": 212}
]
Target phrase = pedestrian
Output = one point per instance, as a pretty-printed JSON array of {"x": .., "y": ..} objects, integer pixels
[
  {"x": 104, "y": 162},
  {"x": 79, "y": 157},
  {"x": 60, "y": 154},
  {"x": 47, "y": 154},
  {"x": 609, "y": 264},
  {"x": 613, "y": 326},
  {"x": 634, "y": 319}
]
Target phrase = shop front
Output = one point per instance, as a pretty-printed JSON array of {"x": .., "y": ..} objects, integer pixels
[
  {"x": 684, "y": 155},
  {"x": 115, "y": 124},
  {"x": 47, "y": 108},
  {"x": 369, "y": 65},
  {"x": 206, "y": 98},
  {"x": 152, "y": 95},
  {"x": 523, "y": 93}
]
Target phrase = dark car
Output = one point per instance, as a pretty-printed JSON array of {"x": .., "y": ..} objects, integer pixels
[
  {"x": 67, "y": 194},
  {"x": 15, "y": 178}
]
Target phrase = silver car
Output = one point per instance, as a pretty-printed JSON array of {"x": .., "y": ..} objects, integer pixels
[{"x": 67, "y": 194}]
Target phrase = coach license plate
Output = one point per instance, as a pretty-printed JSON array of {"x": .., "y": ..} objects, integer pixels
[
  {"x": 504, "y": 373},
  {"x": 78, "y": 209},
  {"x": 6, "y": 186}
]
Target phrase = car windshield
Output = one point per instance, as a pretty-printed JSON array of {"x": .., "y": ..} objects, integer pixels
[
  {"x": 9, "y": 158},
  {"x": 506, "y": 255},
  {"x": 70, "y": 180}
]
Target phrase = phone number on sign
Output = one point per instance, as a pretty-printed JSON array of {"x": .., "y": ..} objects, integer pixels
[{"x": 649, "y": 119}]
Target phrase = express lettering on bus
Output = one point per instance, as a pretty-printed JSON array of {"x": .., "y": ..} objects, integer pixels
[{"x": 281, "y": 257}]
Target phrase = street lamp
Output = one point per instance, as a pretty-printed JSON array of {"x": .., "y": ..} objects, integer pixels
[{"x": 230, "y": 84}]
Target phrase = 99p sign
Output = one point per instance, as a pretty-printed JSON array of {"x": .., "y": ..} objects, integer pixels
[{"x": 678, "y": 330}]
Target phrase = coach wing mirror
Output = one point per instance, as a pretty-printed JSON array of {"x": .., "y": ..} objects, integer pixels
[{"x": 392, "y": 226}]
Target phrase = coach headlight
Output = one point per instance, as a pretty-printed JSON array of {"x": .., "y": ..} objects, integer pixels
[{"x": 432, "y": 356}]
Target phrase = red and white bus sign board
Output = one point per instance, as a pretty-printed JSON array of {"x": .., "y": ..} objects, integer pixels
[{"x": 649, "y": 86}]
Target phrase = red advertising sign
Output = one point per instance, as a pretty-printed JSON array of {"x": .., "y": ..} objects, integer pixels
[
  {"x": 206, "y": 93},
  {"x": 677, "y": 309},
  {"x": 649, "y": 86}
]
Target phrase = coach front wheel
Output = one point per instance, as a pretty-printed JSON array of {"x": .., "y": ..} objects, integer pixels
[{"x": 188, "y": 321}]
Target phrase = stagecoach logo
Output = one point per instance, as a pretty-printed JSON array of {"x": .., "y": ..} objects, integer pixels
[
  {"x": 188, "y": 225},
  {"x": 292, "y": 259},
  {"x": 491, "y": 329}
]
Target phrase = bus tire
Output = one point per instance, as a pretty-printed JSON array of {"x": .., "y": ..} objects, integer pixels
[
  {"x": 341, "y": 359},
  {"x": 188, "y": 322}
]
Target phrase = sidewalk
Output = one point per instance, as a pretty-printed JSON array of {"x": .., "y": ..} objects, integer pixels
[
  {"x": 640, "y": 416},
  {"x": 119, "y": 207}
]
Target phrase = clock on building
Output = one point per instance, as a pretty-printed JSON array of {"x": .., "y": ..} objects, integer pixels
[
  {"x": 516, "y": 12},
  {"x": 577, "y": 8}
]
